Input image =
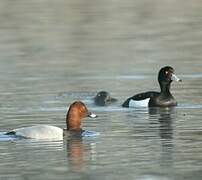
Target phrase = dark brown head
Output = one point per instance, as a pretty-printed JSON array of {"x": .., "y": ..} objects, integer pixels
[
  {"x": 77, "y": 111},
  {"x": 166, "y": 75},
  {"x": 103, "y": 98}
]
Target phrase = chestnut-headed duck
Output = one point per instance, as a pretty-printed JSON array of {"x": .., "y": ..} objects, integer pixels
[
  {"x": 77, "y": 111},
  {"x": 163, "y": 98},
  {"x": 103, "y": 98}
]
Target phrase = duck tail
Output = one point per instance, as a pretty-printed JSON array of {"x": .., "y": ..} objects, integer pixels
[{"x": 10, "y": 133}]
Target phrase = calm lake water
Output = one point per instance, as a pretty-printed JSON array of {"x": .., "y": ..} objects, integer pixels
[{"x": 55, "y": 52}]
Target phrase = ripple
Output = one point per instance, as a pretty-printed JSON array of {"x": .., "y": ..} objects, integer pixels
[
  {"x": 4, "y": 137},
  {"x": 189, "y": 106}
]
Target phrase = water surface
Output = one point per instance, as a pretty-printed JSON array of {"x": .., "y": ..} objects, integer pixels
[{"x": 53, "y": 53}]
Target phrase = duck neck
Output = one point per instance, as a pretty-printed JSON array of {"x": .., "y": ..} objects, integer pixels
[
  {"x": 73, "y": 123},
  {"x": 165, "y": 88}
]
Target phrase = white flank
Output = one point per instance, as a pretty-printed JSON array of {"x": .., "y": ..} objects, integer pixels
[
  {"x": 40, "y": 132},
  {"x": 140, "y": 103}
]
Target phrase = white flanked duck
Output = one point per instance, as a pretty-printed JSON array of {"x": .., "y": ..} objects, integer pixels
[{"x": 164, "y": 98}]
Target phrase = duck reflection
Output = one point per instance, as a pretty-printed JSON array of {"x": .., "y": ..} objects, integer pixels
[
  {"x": 75, "y": 152},
  {"x": 79, "y": 152},
  {"x": 165, "y": 117}
]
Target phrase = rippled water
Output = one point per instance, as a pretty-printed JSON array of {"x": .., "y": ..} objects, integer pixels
[{"x": 52, "y": 53}]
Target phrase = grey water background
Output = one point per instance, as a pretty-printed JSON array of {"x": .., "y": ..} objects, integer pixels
[{"x": 55, "y": 52}]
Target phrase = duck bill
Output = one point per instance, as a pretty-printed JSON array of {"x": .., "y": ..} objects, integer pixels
[
  {"x": 175, "y": 78},
  {"x": 92, "y": 115},
  {"x": 113, "y": 100}
]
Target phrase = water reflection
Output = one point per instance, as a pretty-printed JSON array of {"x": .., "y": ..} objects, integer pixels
[
  {"x": 75, "y": 152},
  {"x": 165, "y": 117},
  {"x": 78, "y": 152}
]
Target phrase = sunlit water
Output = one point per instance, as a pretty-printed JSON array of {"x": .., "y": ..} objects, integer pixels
[{"x": 55, "y": 52}]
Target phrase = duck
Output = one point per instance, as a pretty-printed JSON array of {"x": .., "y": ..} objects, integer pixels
[
  {"x": 103, "y": 98},
  {"x": 76, "y": 113},
  {"x": 164, "y": 98}
]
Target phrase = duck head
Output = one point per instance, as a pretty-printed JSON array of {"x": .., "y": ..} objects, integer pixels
[
  {"x": 103, "y": 98},
  {"x": 166, "y": 75},
  {"x": 76, "y": 113}
]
